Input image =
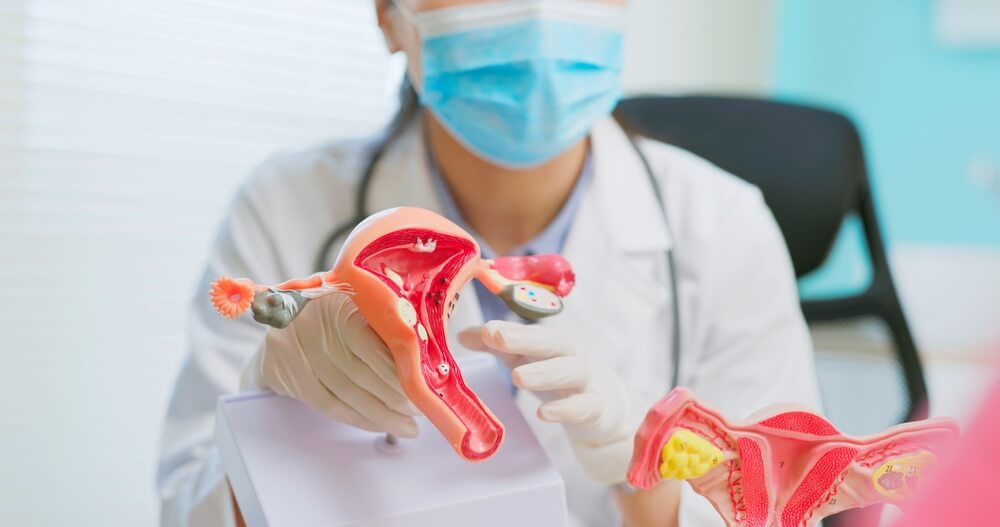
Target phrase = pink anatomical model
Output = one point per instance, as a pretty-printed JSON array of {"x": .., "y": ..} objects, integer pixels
[
  {"x": 786, "y": 467},
  {"x": 404, "y": 268}
]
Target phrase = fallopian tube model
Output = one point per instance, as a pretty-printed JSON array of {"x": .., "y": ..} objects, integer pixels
[
  {"x": 404, "y": 268},
  {"x": 787, "y": 468}
]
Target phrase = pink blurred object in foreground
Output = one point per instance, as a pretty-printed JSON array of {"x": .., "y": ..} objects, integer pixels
[{"x": 963, "y": 491}]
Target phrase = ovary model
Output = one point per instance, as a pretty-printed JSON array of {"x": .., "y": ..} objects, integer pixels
[
  {"x": 788, "y": 467},
  {"x": 404, "y": 268}
]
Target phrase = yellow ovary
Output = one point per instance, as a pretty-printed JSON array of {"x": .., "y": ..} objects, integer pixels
[{"x": 688, "y": 455}]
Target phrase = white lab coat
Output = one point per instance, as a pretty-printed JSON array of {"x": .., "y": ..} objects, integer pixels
[{"x": 743, "y": 339}]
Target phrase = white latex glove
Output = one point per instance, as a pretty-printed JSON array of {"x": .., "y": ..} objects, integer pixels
[
  {"x": 330, "y": 359},
  {"x": 597, "y": 410}
]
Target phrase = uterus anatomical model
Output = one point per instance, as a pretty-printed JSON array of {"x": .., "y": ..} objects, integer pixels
[
  {"x": 404, "y": 269},
  {"x": 784, "y": 467}
]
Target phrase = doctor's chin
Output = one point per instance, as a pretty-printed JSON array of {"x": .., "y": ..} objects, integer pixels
[{"x": 493, "y": 263}]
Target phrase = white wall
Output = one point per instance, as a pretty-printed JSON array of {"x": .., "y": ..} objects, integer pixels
[
  {"x": 700, "y": 45},
  {"x": 951, "y": 295}
]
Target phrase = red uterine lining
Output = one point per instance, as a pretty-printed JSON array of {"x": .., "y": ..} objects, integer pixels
[
  {"x": 817, "y": 483},
  {"x": 801, "y": 422},
  {"x": 422, "y": 274},
  {"x": 755, "y": 496}
]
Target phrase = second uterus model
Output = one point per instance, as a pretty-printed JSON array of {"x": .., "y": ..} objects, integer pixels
[
  {"x": 404, "y": 269},
  {"x": 784, "y": 467}
]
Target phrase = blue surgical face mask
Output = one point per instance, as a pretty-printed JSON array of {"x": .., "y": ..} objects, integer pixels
[{"x": 520, "y": 81}]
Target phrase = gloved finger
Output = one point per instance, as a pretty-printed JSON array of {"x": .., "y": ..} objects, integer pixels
[
  {"x": 361, "y": 400},
  {"x": 392, "y": 397},
  {"x": 579, "y": 408},
  {"x": 283, "y": 369},
  {"x": 472, "y": 339},
  {"x": 535, "y": 342},
  {"x": 367, "y": 361},
  {"x": 360, "y": 338},
  {"x": 557, "y": 373}
]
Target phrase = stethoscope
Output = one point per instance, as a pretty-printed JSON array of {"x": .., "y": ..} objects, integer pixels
[{"x": 361, "y": 196}]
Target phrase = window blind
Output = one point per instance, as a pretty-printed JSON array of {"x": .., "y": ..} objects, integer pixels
[{"x": 125, "y": 126}]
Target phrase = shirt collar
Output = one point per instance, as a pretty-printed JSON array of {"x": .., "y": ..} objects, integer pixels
[{"x": 550, "y": 240}]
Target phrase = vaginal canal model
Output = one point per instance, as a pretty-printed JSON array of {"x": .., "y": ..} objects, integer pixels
[{"x": 404, "y": 269}]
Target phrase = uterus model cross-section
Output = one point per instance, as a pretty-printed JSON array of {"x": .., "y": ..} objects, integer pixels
[
  {"x": 404, "y": 269},
  {"x": 786, "y": 466}
]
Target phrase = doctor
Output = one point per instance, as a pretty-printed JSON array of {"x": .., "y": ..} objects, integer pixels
[{"x": 512, "y": 139}]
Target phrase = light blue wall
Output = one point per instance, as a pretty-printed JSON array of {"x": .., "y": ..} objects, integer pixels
[{"x": 925, "y": 111}]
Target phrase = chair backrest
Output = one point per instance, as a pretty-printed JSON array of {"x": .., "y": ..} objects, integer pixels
[{"x": 808, "y": 162}]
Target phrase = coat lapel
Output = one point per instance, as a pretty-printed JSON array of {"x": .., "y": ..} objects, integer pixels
[{"x": 617, "y": 247}]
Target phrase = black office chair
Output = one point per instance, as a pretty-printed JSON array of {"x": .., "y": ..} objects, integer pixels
[{"x": 810, "y": 166}]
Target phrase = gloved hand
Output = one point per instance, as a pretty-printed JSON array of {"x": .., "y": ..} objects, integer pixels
[
  {"x": 597, "y": 410},
  {"x": 331, "y": 360}
]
